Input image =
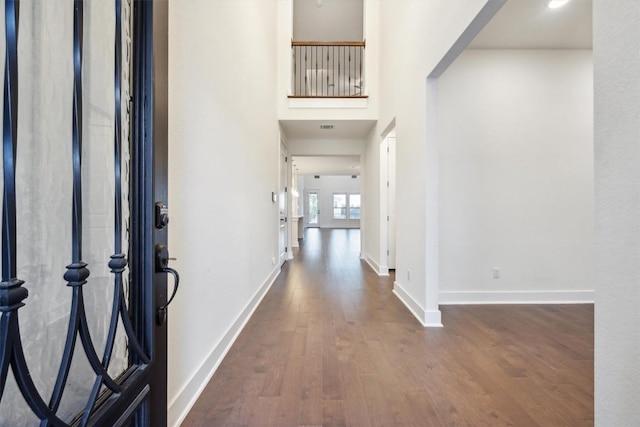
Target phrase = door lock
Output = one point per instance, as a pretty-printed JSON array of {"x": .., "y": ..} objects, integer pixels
[
  {"x": 162, "y": 215},
  {"x": 162, "y": 266}
]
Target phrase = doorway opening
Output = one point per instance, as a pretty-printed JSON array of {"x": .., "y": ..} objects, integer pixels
[{"x": 312, "y": 209}]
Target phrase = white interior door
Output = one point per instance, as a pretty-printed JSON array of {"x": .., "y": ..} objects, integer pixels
[
  {"x": 391, "y": 202},
  {"x": 282, "y": 206}
]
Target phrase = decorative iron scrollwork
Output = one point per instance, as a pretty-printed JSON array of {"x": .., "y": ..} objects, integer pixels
[{"x": 12, "y": 293}]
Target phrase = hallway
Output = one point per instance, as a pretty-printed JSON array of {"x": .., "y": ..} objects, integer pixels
[{"x": 331, "y": 345}]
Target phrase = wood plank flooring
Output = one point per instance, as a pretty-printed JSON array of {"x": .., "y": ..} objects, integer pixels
[{"x": 330, "y": 345}]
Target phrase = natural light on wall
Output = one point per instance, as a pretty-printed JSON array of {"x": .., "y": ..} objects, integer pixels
[{"x": 554, "y": 4}]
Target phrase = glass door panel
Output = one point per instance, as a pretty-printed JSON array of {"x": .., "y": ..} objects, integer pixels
[{"x": 313, "y": 209}]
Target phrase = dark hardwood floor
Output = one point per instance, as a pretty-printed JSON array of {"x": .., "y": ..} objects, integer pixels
[{"x": 331, "y": 345}]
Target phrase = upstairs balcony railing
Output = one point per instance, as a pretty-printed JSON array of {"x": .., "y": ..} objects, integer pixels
[{"x": 328, "y": 69}]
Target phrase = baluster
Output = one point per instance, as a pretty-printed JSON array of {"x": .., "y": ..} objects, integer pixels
[
  {"x": 350, "y": 85},
  {"x": 325, "y": 70},
  {"x": 335, "y": 69},
  {"x": 361, "y": 79},
  {"x": 320, "y": 81},
  {"x": 340, "y": 48},
  {"x": 300, "y": 69}
]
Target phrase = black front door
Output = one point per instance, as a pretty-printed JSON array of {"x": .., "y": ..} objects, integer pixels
[{"x": 84, "y": 216}]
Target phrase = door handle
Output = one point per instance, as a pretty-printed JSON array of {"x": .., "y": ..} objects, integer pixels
[{"x": 162, "y": 266}]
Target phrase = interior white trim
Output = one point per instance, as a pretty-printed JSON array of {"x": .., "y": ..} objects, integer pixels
[
  {"x": 381, "y": 270},
  {"x": 180, "y": 406},
  {"x": 328, "y": 102},
  {"x": 427, "y": 318},
  {"x": 479, "y": 22},
  {"x": 517, "y": 297}
]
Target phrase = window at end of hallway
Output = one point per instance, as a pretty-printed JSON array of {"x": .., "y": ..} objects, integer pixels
[
  {"x": 339, "y": 206},
  {"x": 346, "y": 206}
]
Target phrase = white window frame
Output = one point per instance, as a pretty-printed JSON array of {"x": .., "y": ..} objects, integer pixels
[
  {"x": 334, "y": 207},
  {"x": 347, "y": 208}
]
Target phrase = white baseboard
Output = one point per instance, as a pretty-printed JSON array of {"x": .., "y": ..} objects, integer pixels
[
  {"x": 427, "y": 318},
  {"x": 180, "y": 406},
  {"x": 516, "y": 297},
  {"x": 380, "y": 270}
]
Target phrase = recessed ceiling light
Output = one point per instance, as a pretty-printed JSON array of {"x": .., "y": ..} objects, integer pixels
[{"x": 554, "y": 4}]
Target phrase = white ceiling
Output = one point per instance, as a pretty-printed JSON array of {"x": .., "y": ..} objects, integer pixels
[
  {"x": 342, "y": 129},
  {"x": 326, "y": 165},
  {"x": 530, "y": 24}
]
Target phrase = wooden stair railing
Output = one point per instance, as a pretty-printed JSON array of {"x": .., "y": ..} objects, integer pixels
[{"x": 328, "y": 69}]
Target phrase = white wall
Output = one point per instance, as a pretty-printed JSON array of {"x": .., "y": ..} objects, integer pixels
[
  {"x": 326, "y": 147},
  {"x": 301, "y": 190},
  {"x": 516, "y": 176},
  {"x": 327, "y": 186},
  {"x": 223, "y": 155},
  {"x": 414, "y": 37},
  {"x": 371, "y": 207},
  {"x": 616, "y": 51},
  {"x": 333, "y": 20}
]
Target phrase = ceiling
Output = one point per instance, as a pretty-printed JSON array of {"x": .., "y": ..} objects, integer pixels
[
  {"x": 342, "y": 129},
  {"x": 326, "y": 165},
  {"x": 530, "y": 24},
  {"x": 519, "y": 24}
]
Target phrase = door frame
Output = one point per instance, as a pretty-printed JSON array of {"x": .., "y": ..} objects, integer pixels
[
  {"x": 386, "y": 208},
  {"x": 149, "y": 177},
  {"x": 151, "y": 128},
  {"x": 391, "y": 201},
  {"x": 283, "y": 205}
]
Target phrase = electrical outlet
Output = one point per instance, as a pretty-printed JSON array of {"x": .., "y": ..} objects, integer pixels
[
  {"x": 408, "y": 275},
  {"x": 273, "y": 259},
  {"x": 496, "y": 272}
]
